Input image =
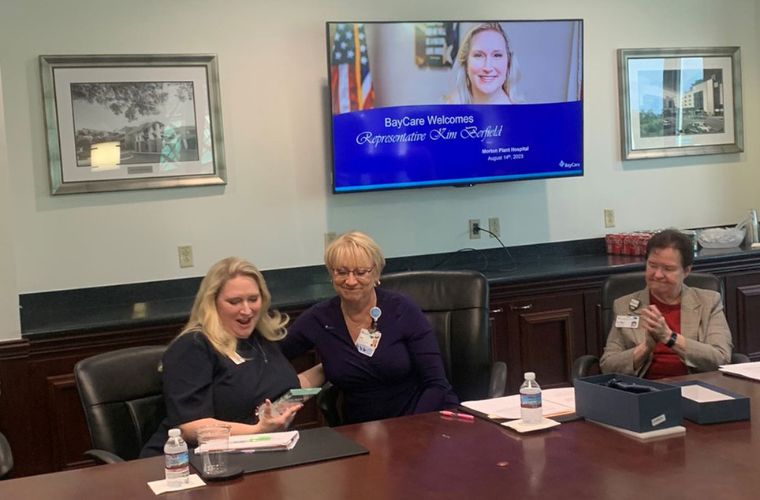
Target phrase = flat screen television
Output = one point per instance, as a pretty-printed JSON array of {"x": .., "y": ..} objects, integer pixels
[{"x": 421, "y": 104}]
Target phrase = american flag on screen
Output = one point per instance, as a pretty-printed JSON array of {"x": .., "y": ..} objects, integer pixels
[{"x": 350, "y": 79}]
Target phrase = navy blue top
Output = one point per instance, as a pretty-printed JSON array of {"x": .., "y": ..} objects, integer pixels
[
  {"x": 404, "y": 376},
  {"x": 199, "y": 382}
]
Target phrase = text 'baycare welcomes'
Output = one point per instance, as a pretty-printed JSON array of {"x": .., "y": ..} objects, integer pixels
[{"x": 468, "y": 132}]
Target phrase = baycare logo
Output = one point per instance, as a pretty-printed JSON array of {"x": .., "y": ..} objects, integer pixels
[{"x": 564, "y": 164}]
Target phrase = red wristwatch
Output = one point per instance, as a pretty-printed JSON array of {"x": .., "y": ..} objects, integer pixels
[{"x": 672, "y": 340}]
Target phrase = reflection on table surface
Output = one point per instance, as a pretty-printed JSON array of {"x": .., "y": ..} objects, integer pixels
[{"x": 427, "y": 456}]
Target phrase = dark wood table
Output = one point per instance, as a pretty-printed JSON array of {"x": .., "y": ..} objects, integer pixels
[{"x": 426, "y": 456}]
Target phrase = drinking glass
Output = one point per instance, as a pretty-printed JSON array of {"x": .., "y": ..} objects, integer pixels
[{"x": 214, "y": 441}]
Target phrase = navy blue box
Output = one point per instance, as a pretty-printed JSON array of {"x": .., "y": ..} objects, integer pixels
[
  {"x": 643, "y": 412},
  {"x": 715, "y": 412}
]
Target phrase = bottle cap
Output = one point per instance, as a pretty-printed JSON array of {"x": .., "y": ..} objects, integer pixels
[
  {"x": 174, "y": 432},
  {"x": 530, "y": 376}
]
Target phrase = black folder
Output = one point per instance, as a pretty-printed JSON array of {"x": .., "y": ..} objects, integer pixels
[{"x": 314, "y": 445}]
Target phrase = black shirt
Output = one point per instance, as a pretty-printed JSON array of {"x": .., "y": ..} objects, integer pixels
[{"x": 199, "y": 382}]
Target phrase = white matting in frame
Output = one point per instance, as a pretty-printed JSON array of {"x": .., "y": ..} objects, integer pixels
[
  {"x": 132, "y": 122},
  {"x": 680, "y": 102}
]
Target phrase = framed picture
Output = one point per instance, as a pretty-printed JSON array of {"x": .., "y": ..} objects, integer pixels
[
  {"x": 119, "y": 122},
  {"x": 680, "y": 102}
]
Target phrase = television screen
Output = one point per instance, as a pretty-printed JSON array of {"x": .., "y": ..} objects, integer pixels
[{"x": 419, "y": 104}]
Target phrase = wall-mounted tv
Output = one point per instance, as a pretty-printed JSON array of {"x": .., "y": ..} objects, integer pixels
[{"x": 420, "y": 104}]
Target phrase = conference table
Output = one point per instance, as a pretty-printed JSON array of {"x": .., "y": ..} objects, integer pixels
[{"x": 428, "y": 456}]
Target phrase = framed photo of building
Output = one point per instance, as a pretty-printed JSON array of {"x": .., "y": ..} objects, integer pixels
[
  {"x": 680, "y": 102},
  {"x": 121, "y": 122}
]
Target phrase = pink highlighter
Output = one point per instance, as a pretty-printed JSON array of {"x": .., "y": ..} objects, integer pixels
[{"x": 466, "y": 417}]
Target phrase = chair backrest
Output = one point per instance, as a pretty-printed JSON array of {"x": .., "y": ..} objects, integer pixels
[
  {"x": 122, "y": 396},
  {"x": 6, "y": 457},
  {"x": 456, "y": 304},
  {"x": 618, "y": 285}
]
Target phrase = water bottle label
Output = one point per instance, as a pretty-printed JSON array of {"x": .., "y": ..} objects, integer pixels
[
  {"x": 530, "y": 400},
  {"x": 176, "y": 460}
]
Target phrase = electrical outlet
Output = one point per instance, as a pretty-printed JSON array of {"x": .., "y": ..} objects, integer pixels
[
  {"x": 473, "y": 229},
  {"x": 609, "y": 217},
  {"x": 330, "y": 237},
  {"x": 185, "y": 255},
  {"x": 494, "y": 227}
]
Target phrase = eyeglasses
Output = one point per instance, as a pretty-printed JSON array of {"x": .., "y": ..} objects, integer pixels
[
  {"x": 362, "y": 273},
  {"x": 663, "y": 269}
]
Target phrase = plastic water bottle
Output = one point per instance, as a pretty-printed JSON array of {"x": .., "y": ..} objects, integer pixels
[
  {"x": 530, "y": 400},
  {"x": 177, "y": 461}
]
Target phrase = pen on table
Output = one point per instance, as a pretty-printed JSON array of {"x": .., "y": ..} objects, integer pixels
[{"x": 455, "y": 414}]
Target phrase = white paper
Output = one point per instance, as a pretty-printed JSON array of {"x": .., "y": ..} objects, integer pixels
[
  {"x": 252, "y": 442},
  {"x": 677, "y": 430},
  {"x": 193, "y": 481},
  {"x": 748, "y": 370},
  {"x": 553, "y": 402},
  {"x": 702, "y": 394},
  {"x": 521, "y": 426}
]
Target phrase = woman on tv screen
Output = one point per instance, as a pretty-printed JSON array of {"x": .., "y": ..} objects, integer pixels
[{"x": 486, "y": 69}]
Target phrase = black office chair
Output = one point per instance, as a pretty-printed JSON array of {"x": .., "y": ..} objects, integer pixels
[
  {"x": 123, "y": 402},
  {"x": 6, "y": 457},
  {"x": 456, "y": 304},
  {"x": 618, "y": 285}
]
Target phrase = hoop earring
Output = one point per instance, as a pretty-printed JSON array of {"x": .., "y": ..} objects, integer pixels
[{"x": 377, "y": 283}]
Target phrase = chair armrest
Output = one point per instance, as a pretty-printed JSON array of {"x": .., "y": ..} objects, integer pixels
[
  {"x": 583, "y": 366},
  {"x": 737, "y": 357},
  {"x": 329, "y": 401},
  {"x": 498, "y": 383},
  {"x": 103, "y": 456},
  {"x": 6, "y": 457}
]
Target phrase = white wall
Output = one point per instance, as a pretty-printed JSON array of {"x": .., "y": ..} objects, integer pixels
[
  {"x": 9, "y": 317},
  {"x": 277, "y": 204}
]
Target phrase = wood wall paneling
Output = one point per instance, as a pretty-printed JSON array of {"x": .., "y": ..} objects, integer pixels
[{"x": 743, "y": 312}]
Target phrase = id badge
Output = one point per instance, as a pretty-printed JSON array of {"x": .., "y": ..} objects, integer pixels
[
  {"x": 367, "y": 342},
  {"x": 626, "y": 321}
]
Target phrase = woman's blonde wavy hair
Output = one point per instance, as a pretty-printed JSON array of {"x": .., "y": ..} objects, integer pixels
[
  {"x": 462, "y": 93},
  {"x": 205, "y": 317}
]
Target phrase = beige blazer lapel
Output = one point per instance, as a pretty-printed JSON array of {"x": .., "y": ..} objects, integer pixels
[
  {"x": 643, "y": 297},
  {"x": 691, "y": 313}
]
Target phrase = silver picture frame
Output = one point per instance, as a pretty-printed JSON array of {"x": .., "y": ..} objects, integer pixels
[
  {"x": 125, "y": 122},
  {"x": 680, "y": 102}
]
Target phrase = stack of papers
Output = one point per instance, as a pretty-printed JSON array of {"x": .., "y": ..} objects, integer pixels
[
  {"x": 746, "y": 370},
  {"x": 555, "y": 402},
  {"x": 274, "y": 441}
]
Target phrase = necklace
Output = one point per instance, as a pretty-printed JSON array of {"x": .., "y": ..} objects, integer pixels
[{"x": 251, "y": 348}]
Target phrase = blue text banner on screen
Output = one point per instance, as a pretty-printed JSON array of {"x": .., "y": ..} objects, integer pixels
[{"x": 408, "y": 146}]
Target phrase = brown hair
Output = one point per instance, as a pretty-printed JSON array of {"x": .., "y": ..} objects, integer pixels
[{"x": 673, "y": 238}]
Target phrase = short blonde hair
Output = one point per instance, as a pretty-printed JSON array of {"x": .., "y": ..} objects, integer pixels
[
  {"x": 205, "y": 317},
  {"x": 349, "y": 248}
]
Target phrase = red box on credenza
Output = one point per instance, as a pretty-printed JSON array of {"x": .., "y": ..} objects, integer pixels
[
  {"x": 614, "y": 244},
  {"x": 627, "y": 243}
]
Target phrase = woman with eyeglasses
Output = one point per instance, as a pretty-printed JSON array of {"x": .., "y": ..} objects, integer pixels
[
  {"x": 376, "y": 346},
  {"x": 668, "y": 328}
]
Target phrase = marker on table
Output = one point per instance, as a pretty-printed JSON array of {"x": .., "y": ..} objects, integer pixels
[{"x": 455, "y": 414}]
